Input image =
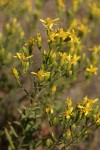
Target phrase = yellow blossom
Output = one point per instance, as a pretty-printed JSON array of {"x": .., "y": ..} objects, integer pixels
[
  {"x": 15, "y": 72},
  {"x": 62, "y": 34},
  {"x": 30, "y": 42},
  {"x": 41, "y": 75},
  {"x": 49, "y": 109},
  {"x": 68, "y": 134},
  {"x": 74, "y": 60},
  {"x": 52, "y": 36},
  {"x": 60, "y": 4},
  {"x": 54, "y": 89},
  {"x": 69, "y": 102},
  {"x": 90, "y": 102},
  {"x": 92, "y": 69},
  {"x": 22, "y": 57},
  {"x": 69, "y": 58},
  {"x": 83, "y": 29},
  {"x": 63, "y": 55},
  {"x": 73, "y": 37},
  {"x": 98, "y": 121},
  {"x": 53, "y": 55},
  {"x": 63, "y": 58},
  {"x": 22, "y": 34},
  {"x": 8, "y": 27},
  {"x": 75, "y": 4},
  {"x": 95, "y": 48},
  {"x": 29, "y": 5},
  {"x": 49, "y": 23},
  {"x": 68, "y": 113},
  {"x": 95, "y": 10},
  {"x": 74, "y": 24},
  {"x": 86, "y": 105}
]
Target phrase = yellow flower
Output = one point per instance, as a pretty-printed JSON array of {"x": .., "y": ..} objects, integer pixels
[
  {"x": 74, "y": 24},
  {"x": 49, "y": 109},
  {"x": 54, "y": 89},
  {"x": 95, "y": 10},
  {"x": 63, "y": 55},
  {"x": 86, "y": 105},
  {"x": 68, "y": 113},
  {"x": 74, "y": 60},
  {"x": 15, "y": 72},
  {"x": 83, "y": 29},
  {"x": 22, "y": 57},
  {"x": 69, "y": 58},
  {"x": 22, "y": 34},
  {"x": 73, "y": 37},
  {"x": 8, "y": 27},
  {"x": 31, "y": 42},
  {"x": 87, "y": 110},
  {"x": 29, "y": 6},
  {"x": 92, "y": 69},
  {"x": 49, "y": 23},
  {"x": 84, "y": 109},
  {"x": 68, "y": 134},
  {"x": 95, "y": 49},
  {"x": 53, "y": 55},
  {"x": 60, "y": 4},
  {"x": 69, "y": 102},
  {"x": 41, "y": 75},
  {"x": 62, "y": 34},
  {"x": 90, "y": 102},
  {"x": 75, "y": 4},
  {"x": 98, "y": 121},
  {"x": 52, "y": 36}
]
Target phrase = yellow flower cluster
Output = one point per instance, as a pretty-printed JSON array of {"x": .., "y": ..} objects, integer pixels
[
  {"x": 16, "y": 74},
  {"x": 92, "y": 69},
  {"x": 86, "y": 105},
  {"x": 80, "y": 27},
  {"x": 68, "y": 134},
  {"x": 22, "y": 57},
  {"x": 95, "y": 10},
  {"x": 41, "y": 74},
  {"x": 68, "y": 59},
  {"x": 49, "y": 110},
  {"x": 49, "y": 23},
  {"x": 69, "y": 108},
  {"x": 60, "y": 4},
  {"x": 75, "y": 5},
  {"x": 54, "y": 88}
]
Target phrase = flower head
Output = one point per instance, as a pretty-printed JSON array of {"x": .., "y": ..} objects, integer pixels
[
  {"x": 54, "y": 89},
  {"x": 49, "y": 109},
  {"x": 68, "y": 113},
  {"x": 68, "y": 134},
  {"x": 92, "y": 69},
  {"x": 41, "y": 74},
  {"x": 49, "y": 23},
  {"x": 69, "y": 102},
  {"x": 86, "y": 105},
  {"x": 22, "y": 57},
  {"x": 60, "y": 4},
  {"x": 15, "y": 72}
]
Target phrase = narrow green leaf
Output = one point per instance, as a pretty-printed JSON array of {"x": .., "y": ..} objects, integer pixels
[
  {"x": 13, "y": 131},
  {"x": 9, "y": 139}
]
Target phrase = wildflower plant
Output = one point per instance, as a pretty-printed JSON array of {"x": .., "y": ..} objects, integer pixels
[{"x": 60, "y": 68}]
